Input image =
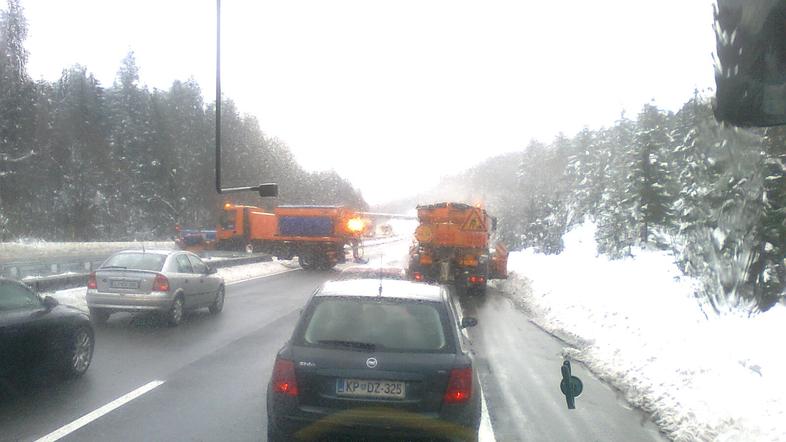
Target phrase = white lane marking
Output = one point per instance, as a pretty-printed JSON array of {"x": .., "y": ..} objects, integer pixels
[
  {"x": 262, "y": 276},
  {"x": 93, "y": 415},
  {"x": 486, "y": 431}
]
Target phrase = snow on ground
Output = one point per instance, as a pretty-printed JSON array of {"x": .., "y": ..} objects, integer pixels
[
  {"x": 636, "y": 324},
  {"x": 32, "y": 250}
]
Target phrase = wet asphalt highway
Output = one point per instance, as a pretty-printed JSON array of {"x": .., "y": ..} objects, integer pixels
[{"x": 213, "y": 372}]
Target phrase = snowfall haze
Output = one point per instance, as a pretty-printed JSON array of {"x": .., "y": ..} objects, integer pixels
[{"x": 428, "y": 88}]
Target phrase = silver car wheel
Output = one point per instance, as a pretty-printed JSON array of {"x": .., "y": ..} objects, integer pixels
[
  {"x": 83, "y": 351},
  {"x": 218, "y": 304},
  {"x": 220, "y": 299},
  {"x": 176, "y": 314}
]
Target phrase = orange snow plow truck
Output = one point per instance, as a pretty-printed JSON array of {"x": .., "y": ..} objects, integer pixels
[
  {"x": 452, "y": 246},
  {"x": 317, "y": 235}
]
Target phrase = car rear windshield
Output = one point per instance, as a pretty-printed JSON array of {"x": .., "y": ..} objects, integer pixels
[
  {"x": 136, "y": 261},
  {"x": 387, "y": 325}
]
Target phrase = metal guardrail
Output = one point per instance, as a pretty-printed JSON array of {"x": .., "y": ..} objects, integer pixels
[
  {"x": 60, "y": 282},
  {"x": 50, "y": 266},
  {"x": 82, "y": 266}
]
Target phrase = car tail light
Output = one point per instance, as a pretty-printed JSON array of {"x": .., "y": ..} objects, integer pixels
[
  {"x": 161, "y": 283},
  {"x": 459, "y": 386},
  {"x": 92, "y": 283},
  {"x": 418, "y": 276},
  {"x": 284, "y": 381},
  {"x": 476, "y": 279}
]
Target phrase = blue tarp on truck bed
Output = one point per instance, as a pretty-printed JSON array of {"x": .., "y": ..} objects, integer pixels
[{"x": 305, "y": 226}]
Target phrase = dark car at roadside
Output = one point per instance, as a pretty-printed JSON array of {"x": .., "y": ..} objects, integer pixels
[
  {"x": 37, "y": 333},
  {"x": 371, "y": 359}
]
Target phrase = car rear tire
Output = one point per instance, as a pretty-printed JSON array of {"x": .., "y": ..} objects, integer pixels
[
  {"x": 176, "y": 312},
  {"x": 79, "y": 352},
  {"x": 218, "y": 304},
  {"x": 99, "y": 316}
]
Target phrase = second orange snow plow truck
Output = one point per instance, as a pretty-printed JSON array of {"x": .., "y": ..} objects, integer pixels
[
  {"x": 452, "y": 246},
  {"x": 315, "y": 234}
]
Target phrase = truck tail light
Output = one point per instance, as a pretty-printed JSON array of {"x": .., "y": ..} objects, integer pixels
[
  {"x": 161, "y": 283},
  {"x": 474, "y": 279},
  {"x": 459, "y": 386},
  {"x": 418, "y": 276},
  {"x": 92, "y": 282},
  {"x": 284, "y": 381}
]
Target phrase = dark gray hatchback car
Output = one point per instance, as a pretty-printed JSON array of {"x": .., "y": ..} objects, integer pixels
[{"x": 373, "y": 359}]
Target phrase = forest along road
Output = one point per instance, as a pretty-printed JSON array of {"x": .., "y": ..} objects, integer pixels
[{"x": 207, "y": 379}]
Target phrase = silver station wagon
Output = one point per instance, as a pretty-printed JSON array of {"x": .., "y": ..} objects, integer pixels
[{"x": 165, "y": 281}]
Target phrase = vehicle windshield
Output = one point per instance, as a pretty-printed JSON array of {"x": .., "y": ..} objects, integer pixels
[
  {"x": 135, "y": 261},
  {"x": 13, "y": 297},
  {"x": 600, "y": 183},
  {"x": 227, "y": 220},
  {"x": 386, "y": 326}
]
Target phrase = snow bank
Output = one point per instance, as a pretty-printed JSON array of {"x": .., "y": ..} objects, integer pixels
[
  {"x": 636, "y": 324},
  {"x": 31, "y": 250}
]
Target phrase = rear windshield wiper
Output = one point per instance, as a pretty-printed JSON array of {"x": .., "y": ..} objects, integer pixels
[{"x": 353, "y": 344}]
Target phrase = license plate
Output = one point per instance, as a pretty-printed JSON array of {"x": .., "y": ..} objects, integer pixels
[
  {"x": 369, "y": 388},
  {"x": 121, "y": 284}
]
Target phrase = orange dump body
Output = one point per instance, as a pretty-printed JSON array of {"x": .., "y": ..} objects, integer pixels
[
  {"x": 288, "y": 223},
  {"x": 453, "y": 225}
]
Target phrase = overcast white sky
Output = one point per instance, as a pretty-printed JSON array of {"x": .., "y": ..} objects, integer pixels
[{"x": 394, "y": 94}]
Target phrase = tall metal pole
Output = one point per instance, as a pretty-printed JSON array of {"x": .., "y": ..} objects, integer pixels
[
  {"x": 218, "y": 96},
  {"x": 264, "y": 190}
]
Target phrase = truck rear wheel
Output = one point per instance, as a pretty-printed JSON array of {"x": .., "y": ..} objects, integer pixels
[{"x": 307, "y": 261}]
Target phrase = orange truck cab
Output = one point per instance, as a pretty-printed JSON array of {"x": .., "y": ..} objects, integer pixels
[{"x": 452, "y": 246}]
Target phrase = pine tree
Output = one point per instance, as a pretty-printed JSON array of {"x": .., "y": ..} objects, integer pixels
[
  {"x": 616, "y": 213},
  {"x": 80, "y": 155},
  {"x": 17, "y": 123},
  {"x": 767, "y": 271},
  {"x": 650, "y": 181}
]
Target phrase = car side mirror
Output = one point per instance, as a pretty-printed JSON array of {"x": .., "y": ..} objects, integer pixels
[
  {"x": 751, "y": 54},
  {"x": 211, "y": 270},
  {"x": 467, "y": 322},
  {"x": 50, "y": 302}
]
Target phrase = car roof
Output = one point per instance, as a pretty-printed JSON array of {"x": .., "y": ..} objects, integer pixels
[
  {"x": 391, "y": 288},
  {"x": 151, "y": 251}
]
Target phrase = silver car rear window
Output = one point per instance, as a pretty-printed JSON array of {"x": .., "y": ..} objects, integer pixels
[
  {"x": 136, "y": 261},
  {"x": 390, "y": 326}
]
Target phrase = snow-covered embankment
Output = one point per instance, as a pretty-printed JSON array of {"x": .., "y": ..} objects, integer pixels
[{"x": 636, "y": 324}]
